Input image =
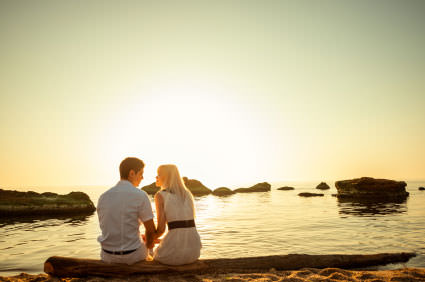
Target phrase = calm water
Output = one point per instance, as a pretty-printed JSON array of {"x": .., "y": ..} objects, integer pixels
[{"x": 255, "y": 224}]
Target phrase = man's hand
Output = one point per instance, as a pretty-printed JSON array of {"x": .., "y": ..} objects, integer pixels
[{"x": 155, "y": 241}]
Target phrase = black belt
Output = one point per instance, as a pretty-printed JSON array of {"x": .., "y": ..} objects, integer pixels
[
  {"x": 181, "y": 224},
  {"x": 119, "y": 252}
]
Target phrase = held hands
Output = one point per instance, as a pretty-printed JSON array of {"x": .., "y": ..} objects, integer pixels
[{"x": 155, "y": 241}]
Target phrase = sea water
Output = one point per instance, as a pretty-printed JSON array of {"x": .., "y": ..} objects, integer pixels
[{"x": 240, "y": 225}]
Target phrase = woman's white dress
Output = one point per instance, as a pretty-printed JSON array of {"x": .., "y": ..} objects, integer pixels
[{"x": 180, "y": 245}]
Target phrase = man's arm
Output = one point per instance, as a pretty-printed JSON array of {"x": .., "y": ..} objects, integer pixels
[
  {"x": 149, "y": 233},
  {"x": 146, "y": 216}
]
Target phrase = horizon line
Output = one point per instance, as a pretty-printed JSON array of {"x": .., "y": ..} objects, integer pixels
[{"x": 148, "y": 183}]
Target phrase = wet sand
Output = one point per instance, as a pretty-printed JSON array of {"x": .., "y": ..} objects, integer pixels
[{"x": 306, "y": 274}]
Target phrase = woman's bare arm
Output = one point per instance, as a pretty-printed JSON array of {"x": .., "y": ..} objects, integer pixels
[{"x": 160, "y": 215}]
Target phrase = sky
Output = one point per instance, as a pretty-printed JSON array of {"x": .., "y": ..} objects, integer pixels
[{"x": 232, "y": 92}]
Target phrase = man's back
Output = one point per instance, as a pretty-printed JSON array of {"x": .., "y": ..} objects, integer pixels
[{"x": 121, "y": 210}]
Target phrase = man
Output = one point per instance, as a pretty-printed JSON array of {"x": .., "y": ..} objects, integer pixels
[{"x": 121, "y": 211}]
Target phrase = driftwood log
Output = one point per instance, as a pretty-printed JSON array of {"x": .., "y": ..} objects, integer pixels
[{"x": 73, "y": 267}]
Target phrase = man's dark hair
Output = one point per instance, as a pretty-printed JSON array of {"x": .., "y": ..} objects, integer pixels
[{"x": 130, "y": 164}]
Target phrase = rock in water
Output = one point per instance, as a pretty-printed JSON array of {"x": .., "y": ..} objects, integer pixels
[
  {"x": 15, "y": 203},
  {"x": 223, "y": 191},
  {"x": 323, "y": 186},
  {"x": 151, "y": 189},
  {"x": 259, "y": 187},
  {"x": 371, "y": 188},
  {"x": 196, "y": 187},
  {"x": 286, "y": 188},
  {"x": 306, "y": 194}
]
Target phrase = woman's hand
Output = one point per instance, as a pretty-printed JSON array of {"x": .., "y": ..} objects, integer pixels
[{"x": 155, "y": 241}]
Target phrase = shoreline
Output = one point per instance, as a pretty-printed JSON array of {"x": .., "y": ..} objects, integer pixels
[{"x": 305, "y": 274}]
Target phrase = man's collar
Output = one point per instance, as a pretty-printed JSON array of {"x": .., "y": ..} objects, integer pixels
[{"x": 125, "y": 182}]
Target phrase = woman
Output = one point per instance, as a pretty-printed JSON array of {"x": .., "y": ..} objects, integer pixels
[{"x": 175, "y": 207}]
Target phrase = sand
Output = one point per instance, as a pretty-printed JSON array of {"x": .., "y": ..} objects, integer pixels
[{"x": 307, "y": 274}]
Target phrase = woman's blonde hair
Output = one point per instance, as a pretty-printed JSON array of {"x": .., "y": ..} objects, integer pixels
[{"x": 173, "y": 183}]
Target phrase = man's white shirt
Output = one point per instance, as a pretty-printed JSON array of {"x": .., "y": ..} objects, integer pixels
[{"x": 121, "y": 210}]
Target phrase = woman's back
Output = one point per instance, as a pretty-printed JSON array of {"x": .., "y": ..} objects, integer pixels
[
  {"x": 175, "y": 208},
  {"x": 180, "y": 245}
]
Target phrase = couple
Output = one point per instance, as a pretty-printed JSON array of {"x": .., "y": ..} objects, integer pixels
[{"x": 123, "y": 208}]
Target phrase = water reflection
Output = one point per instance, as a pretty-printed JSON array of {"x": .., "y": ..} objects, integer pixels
[
  {"x": 61, "y": 219},
  {"x": 244, "y": 224},
  {"x": 371, "y": 207}
]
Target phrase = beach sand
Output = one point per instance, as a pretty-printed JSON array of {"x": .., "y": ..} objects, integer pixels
[{"x": 306, "y": 274}]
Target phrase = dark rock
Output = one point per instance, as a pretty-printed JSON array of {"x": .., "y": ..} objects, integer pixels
[
  {"x": 306, "y": 194},
  {"x": 79, "y": 196},
  {"x": 223, "y": 191},
  {"x": 48, "y": 194},
  {"x": 286, "y": 188},
  {"x": 371, "y": 188},
  {"x": 15, "y": 203},
  {"x": 259, "y": 187},
  {"x": 421, "y": 188},
  {"x": 151, "y": 189},
  {"x": 32, "y": 194},
  {"x": 323, "y": 186},
  {"x": 196, "y": 187}
]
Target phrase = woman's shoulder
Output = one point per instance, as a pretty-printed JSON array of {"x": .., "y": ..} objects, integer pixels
[{"x": 161, "y": 193}]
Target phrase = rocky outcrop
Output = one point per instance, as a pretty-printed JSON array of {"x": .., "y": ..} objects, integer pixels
[
  {"x": 15, "y": 203},
  {"x": 223, "y": 191},
  {"x": 306, "y": 194},
  {"x": 259, "y": 187},
  {"x": 421, "y": 188},
  {"x": 323, "y": 186},
  {"x": 151, "y": 189},
  {"x": 199, "y": 189},
  {"x": 196, "y": 187},
  {"x": 286, "y": 188},
  {"x": 371, "y": 188}
]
